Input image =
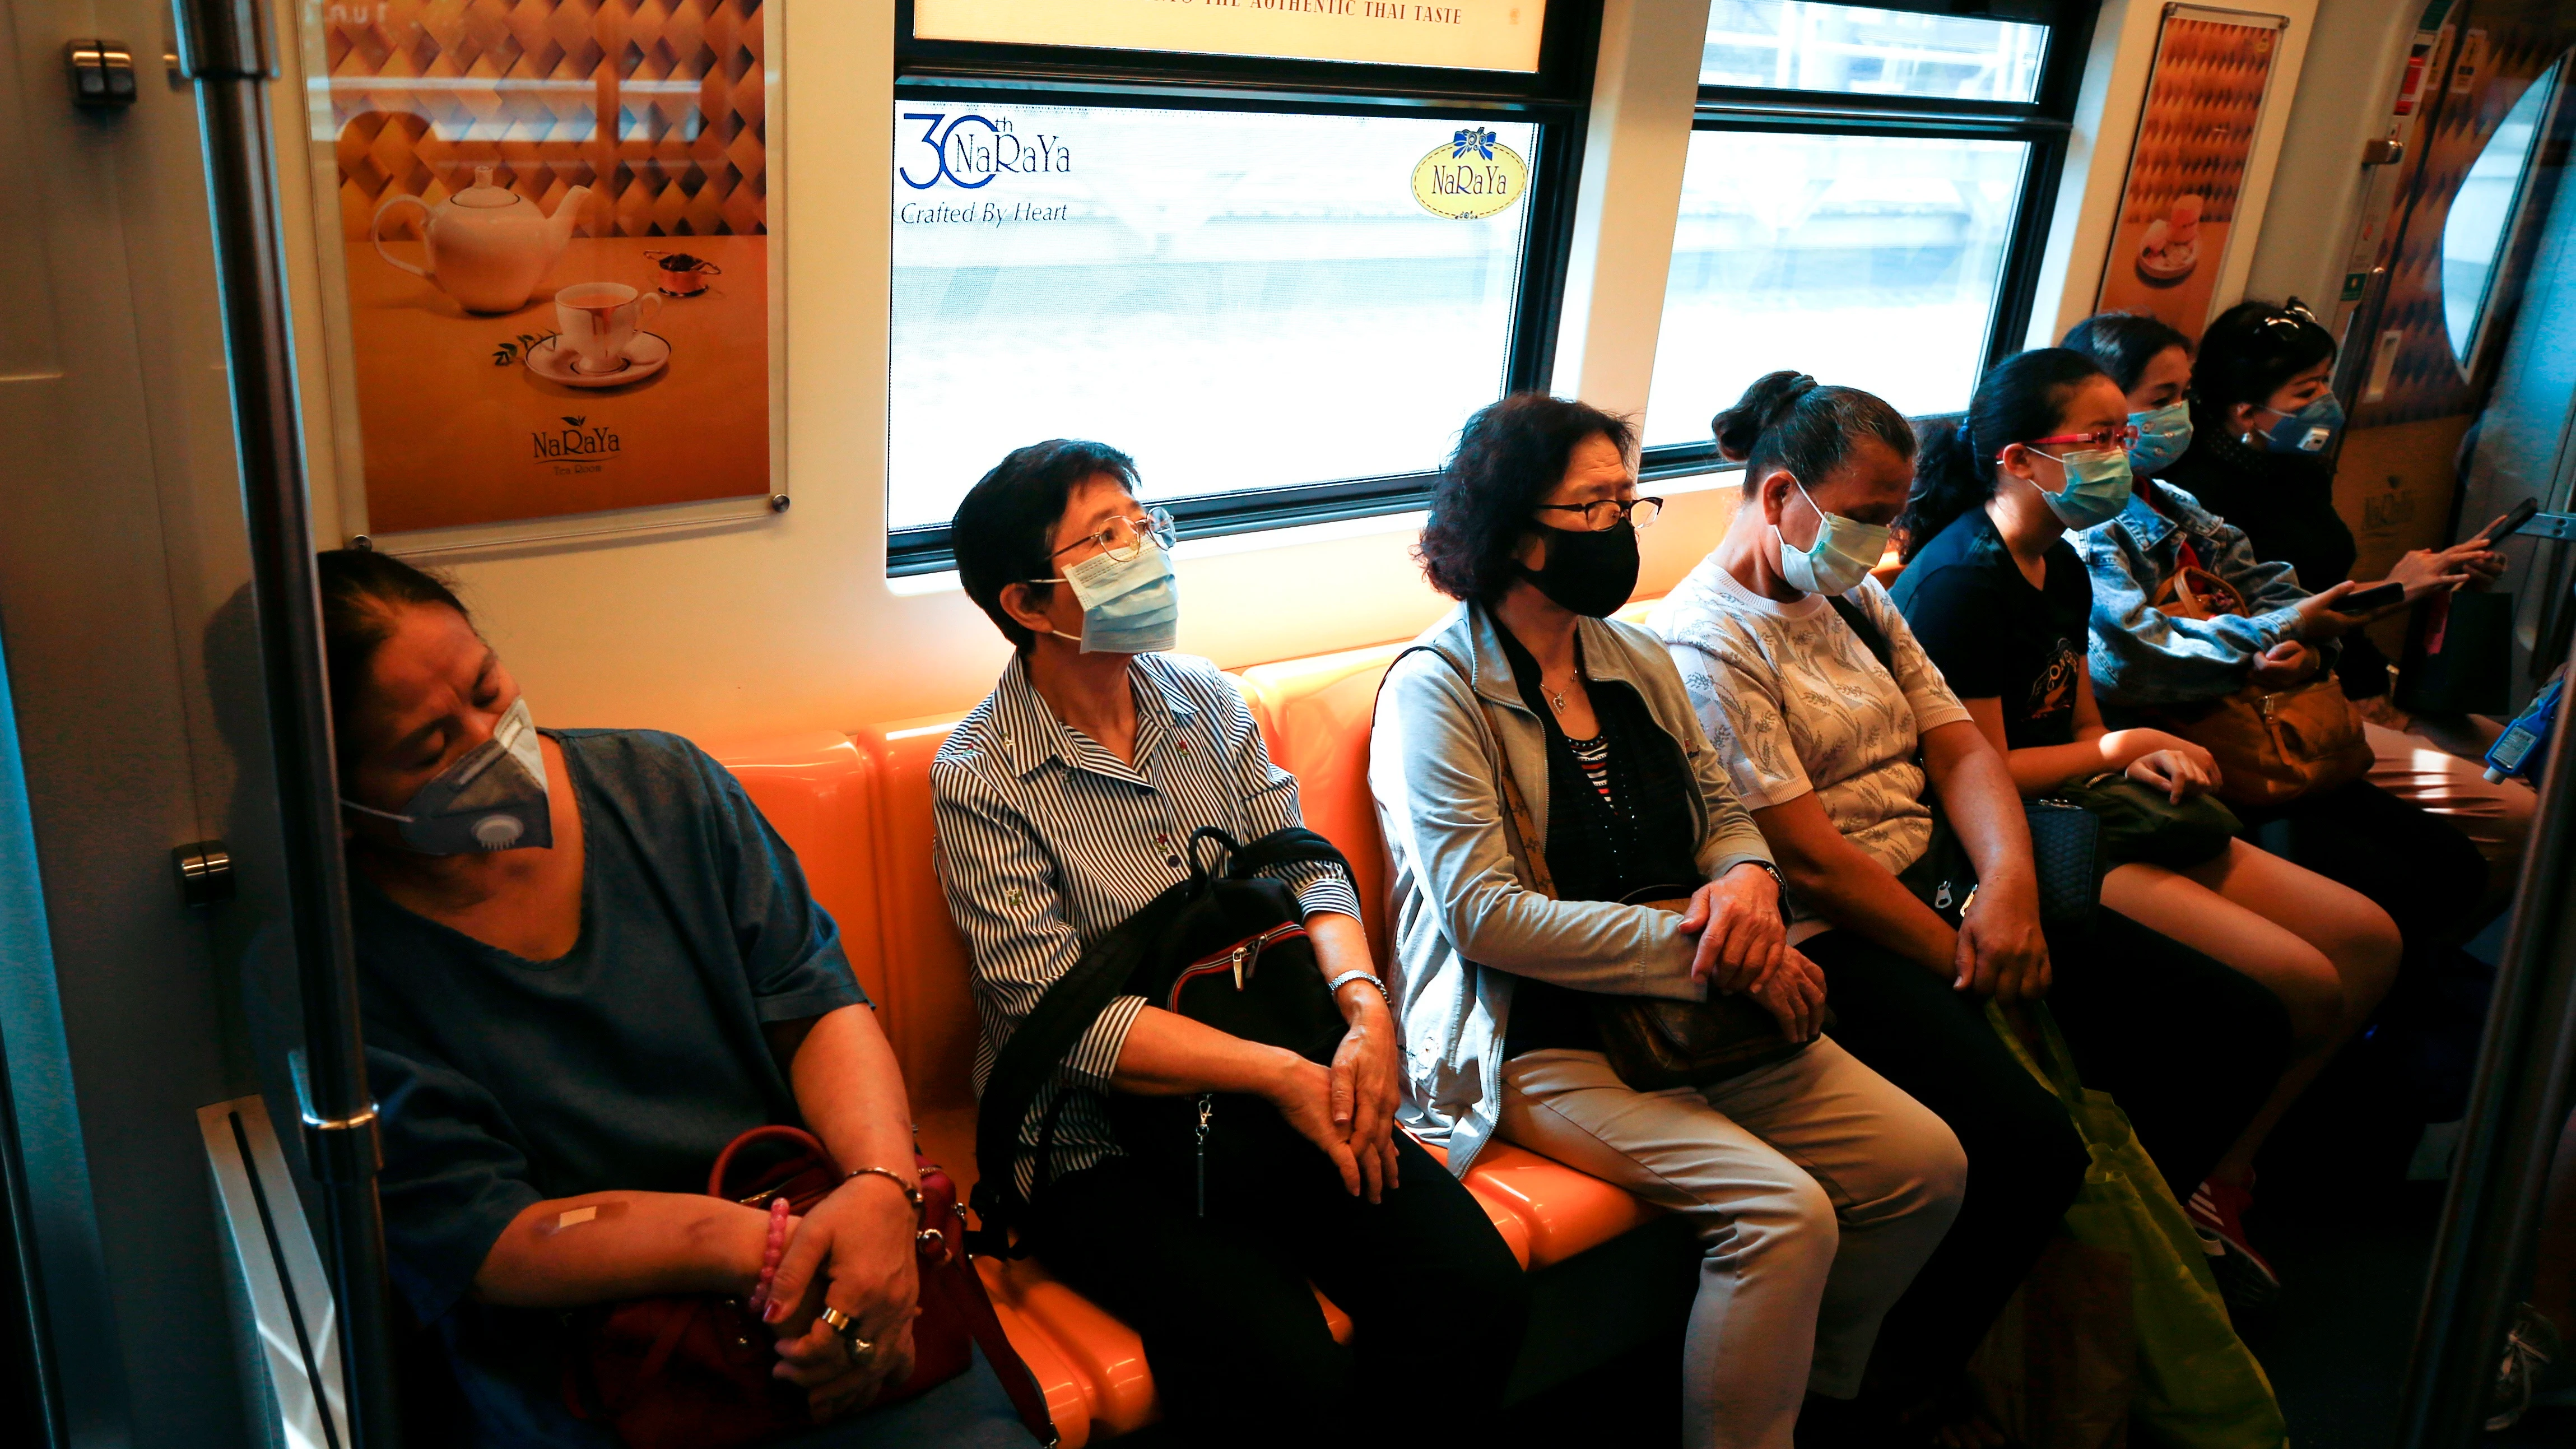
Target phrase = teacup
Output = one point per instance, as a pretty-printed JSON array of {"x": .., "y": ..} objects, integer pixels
[{"x": 599, "y": 319}]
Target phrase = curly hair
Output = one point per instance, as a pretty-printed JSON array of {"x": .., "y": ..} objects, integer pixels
[{"x": 1510, "y": 456}]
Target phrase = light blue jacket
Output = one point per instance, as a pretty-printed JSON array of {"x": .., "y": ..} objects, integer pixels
[
  {"x": 1466, "y": 925},
  {"x": 2141, "y": 655}
]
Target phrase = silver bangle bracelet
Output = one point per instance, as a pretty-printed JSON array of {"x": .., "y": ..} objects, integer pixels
[
  {"x": 1334, "y": 987},
  {"x": 911, "y": 1185}
]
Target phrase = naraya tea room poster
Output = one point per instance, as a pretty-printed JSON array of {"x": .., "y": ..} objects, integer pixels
[{"x": 553, "y": 215}]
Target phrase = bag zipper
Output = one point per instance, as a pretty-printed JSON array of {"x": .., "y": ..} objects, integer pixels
[
  {"x": 1207, "y": 1104},
  {"x": 1243, "y": 958}
]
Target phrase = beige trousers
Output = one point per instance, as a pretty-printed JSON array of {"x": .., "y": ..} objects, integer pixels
[
  {"x": 1817, "y": 1188},
  {"x": 2495, "y": 818}
]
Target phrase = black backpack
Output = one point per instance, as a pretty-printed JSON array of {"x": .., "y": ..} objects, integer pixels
[{"x": 1225, "y": 947}]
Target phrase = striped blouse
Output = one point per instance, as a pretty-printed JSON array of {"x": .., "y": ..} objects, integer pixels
[{"x": 1047, "y": 841}]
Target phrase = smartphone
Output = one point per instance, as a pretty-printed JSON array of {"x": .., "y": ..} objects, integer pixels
[
  {"x": 2522, "y": 513},
  {"x": 2370, "y": 600}
]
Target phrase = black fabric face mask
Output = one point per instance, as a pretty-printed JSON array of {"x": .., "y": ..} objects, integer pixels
[{"x": 1590, "y": 573}]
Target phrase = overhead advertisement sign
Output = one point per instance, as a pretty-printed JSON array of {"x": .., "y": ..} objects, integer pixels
[{"x": 1461, "y": 34}]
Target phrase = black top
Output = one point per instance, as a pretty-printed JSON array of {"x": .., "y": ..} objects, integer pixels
[
  {"x": 2284, "y": 503},
  {"x": 1606, "y": 837},
  {"x": 628, "y": 1062},
  {"x": 1992, "y": 634}
]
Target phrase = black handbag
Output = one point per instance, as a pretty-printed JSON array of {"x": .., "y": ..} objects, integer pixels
[
  {"x": 1226, "y": 947},
  {"x": 1652, "y": 1043},
  {"x": 2139, "y": 823},
  {"x": 2065, "y": 839},
  {"x": 2066, "y": 859}
]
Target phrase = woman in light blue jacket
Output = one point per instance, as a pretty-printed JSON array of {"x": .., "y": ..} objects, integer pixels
[{"x": 1816, "y": 1187}]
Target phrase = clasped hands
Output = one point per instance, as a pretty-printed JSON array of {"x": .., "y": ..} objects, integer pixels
[
  {"x": 1744, "y": 947},
  {"x": 852, "y": 1253}
]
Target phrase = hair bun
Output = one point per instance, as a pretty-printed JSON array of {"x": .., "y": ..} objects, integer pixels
[
  {"x": 1764, "y": 405},
  {"x": 1797, "y": 386}
]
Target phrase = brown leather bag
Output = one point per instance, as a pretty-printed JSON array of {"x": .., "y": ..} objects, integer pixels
[
  {"x": 2272, "y": 746},
  {"x": 1653, "y": 1043},
  {"x": 692, "y": 1371}
]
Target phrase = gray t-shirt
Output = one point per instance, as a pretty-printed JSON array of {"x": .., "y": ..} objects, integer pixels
[{"x": 1794, "y": 701}]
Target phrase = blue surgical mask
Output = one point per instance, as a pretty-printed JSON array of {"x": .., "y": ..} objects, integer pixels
[
  {"x": 1130, "y": 607},
  {"x": 2309, "y": 430},
  {"x": 2163, "y": 435},
  {"x": 2097, "y": 488},
  {"x": 492, "y": 798},
  {"x": 1842, "y": 555}
]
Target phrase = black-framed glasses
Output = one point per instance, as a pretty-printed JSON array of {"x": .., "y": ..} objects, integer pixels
[
  {"x": 1123, "y": 538},
  {"x": 1607, "y": 512}
]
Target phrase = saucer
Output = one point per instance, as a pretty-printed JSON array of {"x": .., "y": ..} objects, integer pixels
[
  {"x": 646, "y": 355},
  {"x": 2176, "y": 264}
]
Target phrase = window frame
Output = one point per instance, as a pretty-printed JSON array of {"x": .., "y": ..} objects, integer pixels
[
  {"x": 1557, "y": 97},
  {"x": 2045, "y": 123}
]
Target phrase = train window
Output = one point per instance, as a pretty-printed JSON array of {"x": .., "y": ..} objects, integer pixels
[
  {"x": 1796, "y": 45},
  {"x": 1279, "y": 283},
  {"x": 1208, "y": 290},
  {"x": 1870, "y": 261},
  {"x": 1865, "y": 197},
  {"x": 2473, "y": 235}
]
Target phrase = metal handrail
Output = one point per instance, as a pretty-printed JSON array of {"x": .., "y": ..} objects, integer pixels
[
  {"x": 2516, "y": 1112},
  {"x": 225, "y": 50}
]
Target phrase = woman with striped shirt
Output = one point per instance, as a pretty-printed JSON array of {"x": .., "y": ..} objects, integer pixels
[{"x": 1065, "y": 802}]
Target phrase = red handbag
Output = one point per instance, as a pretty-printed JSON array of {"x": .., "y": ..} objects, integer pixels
[{"x": 692, "y": 1371}]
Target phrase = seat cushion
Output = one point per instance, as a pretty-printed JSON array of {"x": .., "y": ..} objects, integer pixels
[
  {"x": 1555, "y": 1212},
  {"x": 819, "y": 792},
  {"x": 925, "y": 958},
  {"x": 1315, "y": 715}
]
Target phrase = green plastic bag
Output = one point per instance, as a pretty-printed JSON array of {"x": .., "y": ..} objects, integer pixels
[{"x": 2198, "y": 1386}]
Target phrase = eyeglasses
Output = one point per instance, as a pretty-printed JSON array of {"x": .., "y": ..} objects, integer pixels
[
  {"x": 1607, "y": 512},
  {"x": 2107, "y": 440},
  {"x": 1123, "y": 538}
]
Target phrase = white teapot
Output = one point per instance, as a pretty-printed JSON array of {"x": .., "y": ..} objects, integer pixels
[{"x": 487, "y": 246}]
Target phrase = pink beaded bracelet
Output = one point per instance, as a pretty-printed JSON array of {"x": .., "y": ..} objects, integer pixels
[{"x": 777, "y": 1249}]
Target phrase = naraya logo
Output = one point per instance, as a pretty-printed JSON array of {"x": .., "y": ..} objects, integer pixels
[
  {"x": 1470, "y": 175},
  {"x": 967, "y": 151},
  {"x": 575, "y": 440}
]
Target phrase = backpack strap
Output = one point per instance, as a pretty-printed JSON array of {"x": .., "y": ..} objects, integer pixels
[
  {"x": 1036, "y": 1051},
  {"x": 1872, "y": 637},
  {"x": 1068, "y": 1008},
  {"x": 1289, "y": 845},
  {"x": 1533, "y": 846}
]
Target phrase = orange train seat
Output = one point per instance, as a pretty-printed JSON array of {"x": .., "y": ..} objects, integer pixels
[{"x": 857, "y": 811}]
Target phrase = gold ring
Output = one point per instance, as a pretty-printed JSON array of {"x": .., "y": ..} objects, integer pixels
[{"x": 848, "y": 1328}]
